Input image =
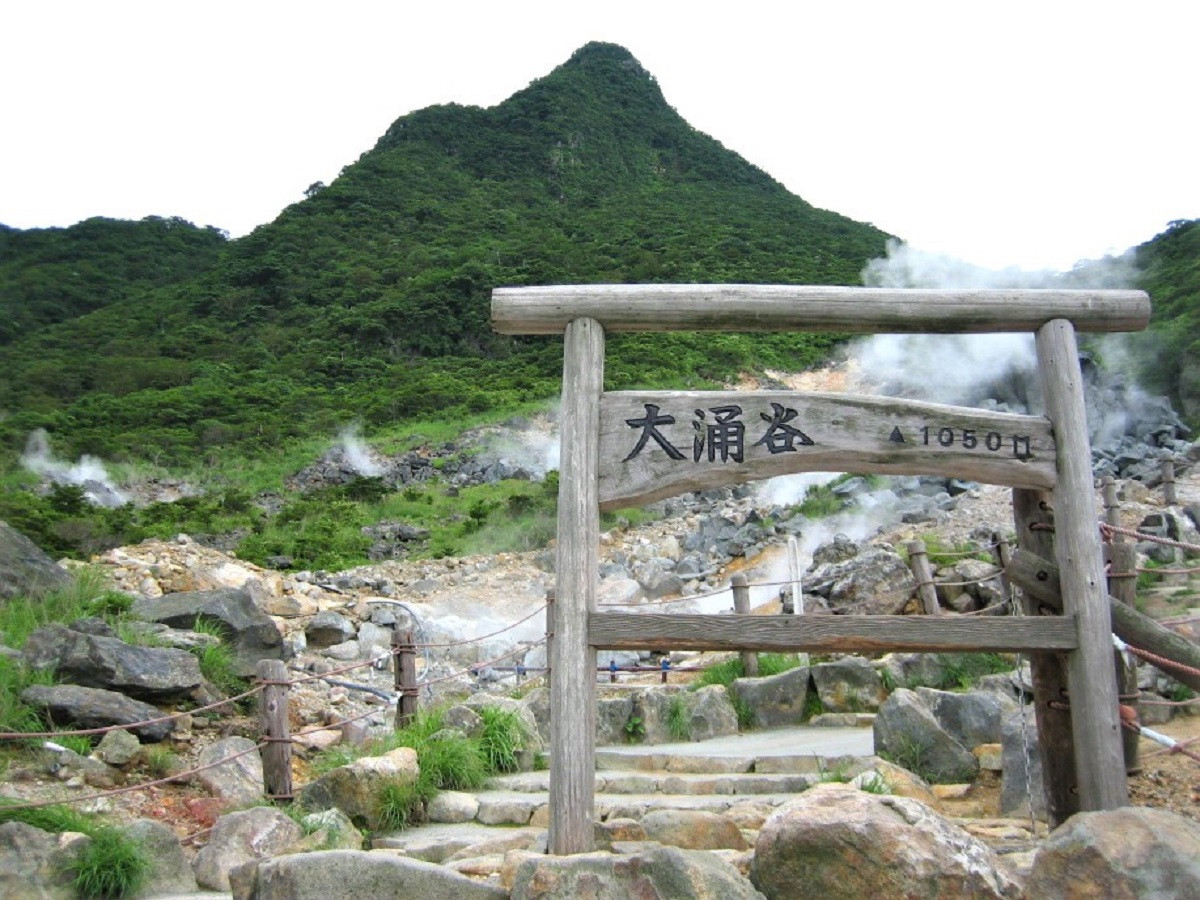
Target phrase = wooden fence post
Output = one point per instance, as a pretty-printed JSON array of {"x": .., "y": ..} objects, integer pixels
[
  {"x": 741, "y": 605},
  {"x": 1122, "y": 585},
  {"x": 1167, "y": 469},
  {"x": 273, "y": 719},
  {"x": 405, "y": 667},
  {"x": 1002, "y": 553},
  {"x": 549, "y": 634},
  {"x": 1048, "y": 671},
  {"x": 1095, "y": 716},
  {"x": 918, "y": 561},
  {"x": 1112, "y": 508}
]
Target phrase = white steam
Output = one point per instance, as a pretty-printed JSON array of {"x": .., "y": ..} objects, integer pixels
[
  {"x": 356, "y": 453},
  {"x": 88, "y": 473},
  {"x": 966, "y": 369}
]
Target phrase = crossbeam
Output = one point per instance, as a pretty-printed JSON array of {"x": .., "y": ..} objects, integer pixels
[
  {"x": 785, "y": 307},
  {"x": 830, "y": 634}
]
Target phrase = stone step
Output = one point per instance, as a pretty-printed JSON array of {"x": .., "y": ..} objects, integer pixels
[
  {"x": 667, "y": 782},
  {"x": 532, "y": 808},
  {"x": 614, "y": 761}
]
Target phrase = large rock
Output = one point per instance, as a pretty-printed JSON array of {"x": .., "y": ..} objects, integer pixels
[
  {"x": 1021, "y": 761},
  {"x": 353, "y": 788},
  {"x": 350, "y": 873},
  {"x": 242, "y": 837},
  {"x": 708, "y": 712},
  {"x": 849, "y": 685},
  {"x": 666, "y": 872},
  {"x": 81, "y": 707},
  {"x": 711, "y": 713},
  {"x": 1123, "y": 853},
  {"x": 31, "y": 864},
  {"x": 25, "y": 571},
  {"x": 327, "y": 629},
  {"x": 251, "y": 632},
  {"x": 89, "y": 660},
  {"x": 837, "y": 841},
  {"x": 169, "y": 872},
  {"x": 777, "y": 700},
  {"x": 907, "y": 733},
  {"x": 239, "y": 781},
  {"x": 875, "y": 582},
  {"x": 972, "y": 718}
]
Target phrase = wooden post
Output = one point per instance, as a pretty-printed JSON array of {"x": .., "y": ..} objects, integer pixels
[
  {"x": 918, "y": 561},
  {"x": 1123, "y": 586},
  {"x": 1002, "y": 553},
  {"x": 1112, "y": 509},
  {"x": 273, "y": 719},
  {"x": 405, "y": 656},
  {"x": 1049, "y": 672},
  {"x": 549, "y": 633},
  {"x": 573, "y": 690},
  {"x": 1167, "y": 469},
  {"x": 1095, "y": 720},
  {"x": 741, "y": 606}
]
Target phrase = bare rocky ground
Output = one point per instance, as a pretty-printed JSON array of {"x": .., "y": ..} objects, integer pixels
[{"x": 478, "y": 595}]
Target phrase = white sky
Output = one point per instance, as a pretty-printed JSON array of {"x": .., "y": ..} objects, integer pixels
[{"x": 1004, "y": 133}]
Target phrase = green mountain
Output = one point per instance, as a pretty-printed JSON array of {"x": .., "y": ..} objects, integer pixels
[{"x": 369, "y": 299}]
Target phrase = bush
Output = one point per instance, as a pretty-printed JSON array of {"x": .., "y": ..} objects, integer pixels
[{"x": 502, "y": 738}]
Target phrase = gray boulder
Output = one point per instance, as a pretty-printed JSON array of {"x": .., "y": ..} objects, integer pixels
[
  {"x": 353, "y": 788},
  {"x": 836, "y": 841},
  {"x": 1129, "y": 852},
  {"x": 711, "y": 713},
  {"x": 81, "y": 707},
  {"x": 328, "y": 629},
  {"x": 32, "y": 864},
  {"x": 351, "y": 873},
  {"x": 907, "y": 733},
  {"x": 848, "y": 685},
  {"x": 250, "y": 631},
  {"x": 88, "y": 660},
  {"x": 239, "y": 781},
  {"x": 972, "y": 718},
  {"x": 777, "y": 700},
  {"x": 25, "y": 571},
  {"x": 612, "y": 714},
  {"x": 650, "y": 872},
  {"x": 1021, "y": 781},
  {"x": 242, "y": 837},
  {"x": 118, "y": 748},
  {"x": 170, "y": 872},
  {"x": 875, "y": 582}
]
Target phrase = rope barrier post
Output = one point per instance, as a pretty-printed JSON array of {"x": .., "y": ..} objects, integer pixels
[
  {"x": 666, "y": 668},
  {"x": 1167, "y": 470},
  {"x": 612, "y": 671},
  {"x": 1002, "y": 553},
  {"x": 549, "y": 634},
  {"x": 918, "y": 561},
  {"x": 741, "y": 605},
  {"x": 1122, "y": 585},
  {"x": 273, "y": 719},
  {"x": 405, "y": 654},
  {"x": 1112, "y": 508}
]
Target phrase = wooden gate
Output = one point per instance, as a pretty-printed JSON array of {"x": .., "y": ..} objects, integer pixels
[{"x": 625, "y": 448}]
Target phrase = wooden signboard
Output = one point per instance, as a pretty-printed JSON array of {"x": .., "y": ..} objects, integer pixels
[{"x": 655, "y": 445}]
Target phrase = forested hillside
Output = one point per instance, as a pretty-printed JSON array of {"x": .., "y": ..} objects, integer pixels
[{"x": 369, "y": 299}]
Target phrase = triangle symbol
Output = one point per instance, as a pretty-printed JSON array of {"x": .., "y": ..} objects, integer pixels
[{"x": 896, "y": 437}]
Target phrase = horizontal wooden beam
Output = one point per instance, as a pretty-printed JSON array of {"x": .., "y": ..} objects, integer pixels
[
  {"x": 829, "y": 634},
  {"x": 656, "y": 444},
  {"x": 780, "y": 307}
]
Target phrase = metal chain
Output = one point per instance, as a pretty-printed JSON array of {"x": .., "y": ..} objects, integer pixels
[{"x": 1027, "y": 756}]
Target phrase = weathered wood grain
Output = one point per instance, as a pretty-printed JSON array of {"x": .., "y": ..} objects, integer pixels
[
  {"x": 573, "y": 686},
  {"x": 1095, "y": 719},
  {"x": 1039, "y": 577},
  {"x": 778, "y": 307},
  {"x": 840, "y": 433},
  {"x": 828, "y": 634},
  {"x": 1056, "y": 744},
  {"x": 276, "y": 729}
]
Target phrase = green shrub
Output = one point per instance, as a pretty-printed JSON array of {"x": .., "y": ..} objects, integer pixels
[
  {"x": 679, "y": 720},
  {"x": 961, "y": 671},
  {"x": 399, "y": 804},
  {"x": 502, "y": 738},
  {"x": 452, "y": 764}
]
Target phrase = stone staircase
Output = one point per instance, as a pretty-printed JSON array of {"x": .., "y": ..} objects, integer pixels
[{"x": 743, "y": 777}]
